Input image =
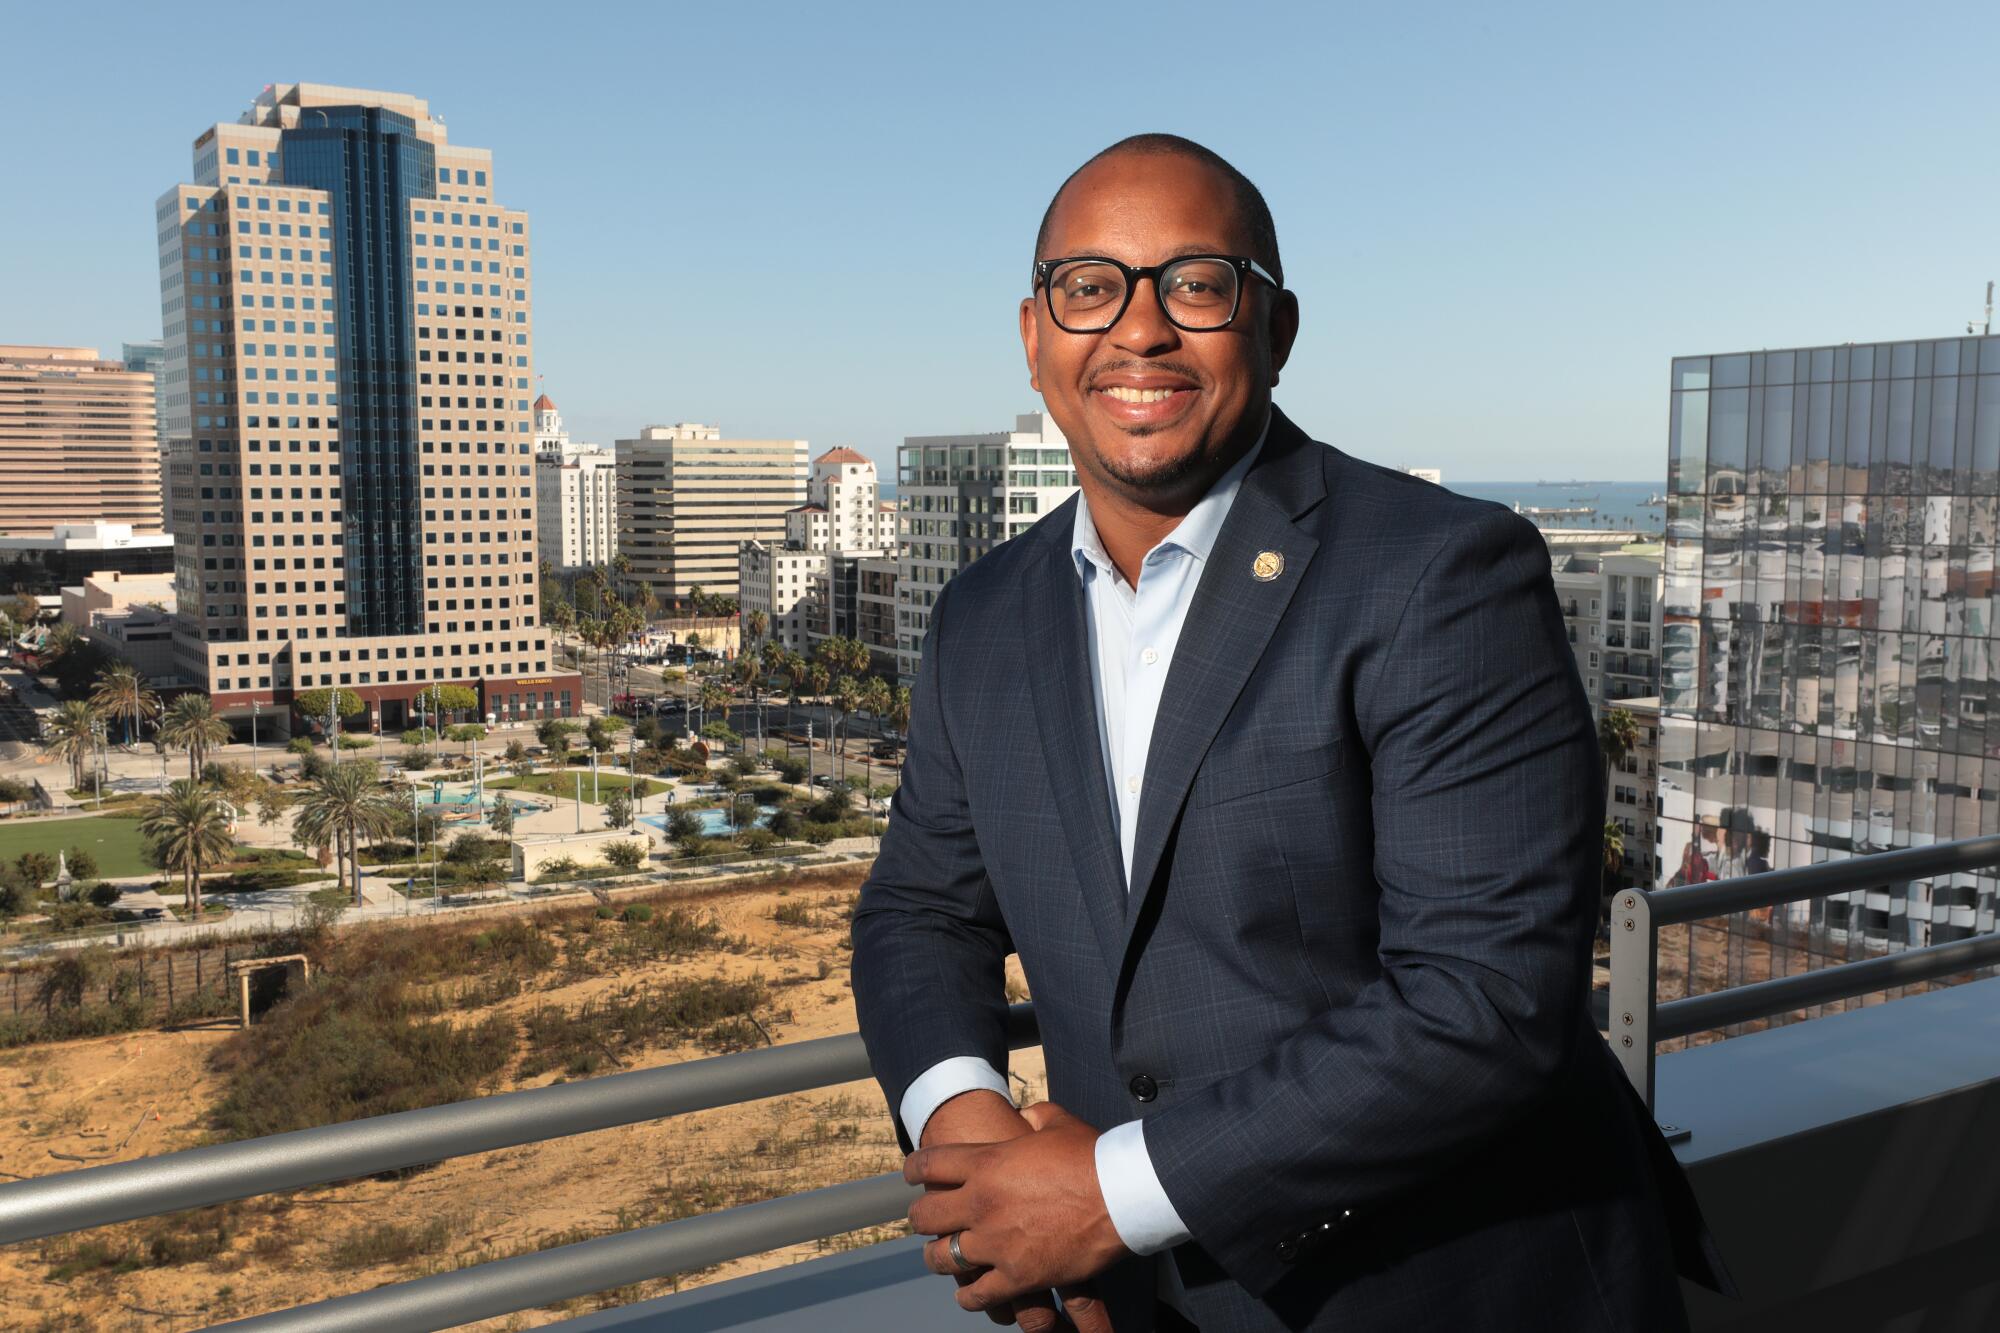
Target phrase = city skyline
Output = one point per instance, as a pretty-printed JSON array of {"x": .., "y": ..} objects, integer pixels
[{"x": 1432, "y": 183}]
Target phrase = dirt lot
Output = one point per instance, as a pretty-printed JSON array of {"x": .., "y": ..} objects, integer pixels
[{"x": 140, "y": 1094}]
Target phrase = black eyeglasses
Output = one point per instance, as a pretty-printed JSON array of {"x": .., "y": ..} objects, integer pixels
[{"x": 1198, "y": 293}]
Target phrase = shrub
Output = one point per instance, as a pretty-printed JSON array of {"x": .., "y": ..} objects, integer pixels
[
  {"x": 299, "y": 745},
  {"x": 82, "y": 864},
  {"x": 352, "y": 742},
  {"x": 819, "y": 835},
  {"x": 419, "y": 737},
  {"x": 705, "y": 1009},
  {"x": 636, "y": 913},
  {"x": 757, "y": 839},
  {"x": 606, "y": 912},
  {"x": 36, "y": 867},
  {"x": 557, "y": 867},
  {"x": 625, "y": 855},
  {"x": 101, "y": 894},
  {"x": 348, "y": 1047},
  {"x": 416, "y": 761},
  {"x": 387, "y": 1243},
  {"x": 12, "y": 792}
]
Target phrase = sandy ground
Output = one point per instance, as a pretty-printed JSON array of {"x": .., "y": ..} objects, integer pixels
[{"x": 122, "y": 1097}]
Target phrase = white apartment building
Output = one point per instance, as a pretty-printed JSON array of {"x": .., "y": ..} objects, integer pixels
[
  {"x": 809, "y": 585},
  {"x": 961, "y": 496},
  {"x": 1611, "y": 611},
  {"x": 576, "y": 495}
]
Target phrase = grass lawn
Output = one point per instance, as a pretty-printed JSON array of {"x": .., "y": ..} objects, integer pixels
[
  {"x": 113, "y": 841},
  {"x": 564, "y": 783}
]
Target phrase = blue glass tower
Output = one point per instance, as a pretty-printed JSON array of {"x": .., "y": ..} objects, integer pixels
[{"x": 372, "y": 164}]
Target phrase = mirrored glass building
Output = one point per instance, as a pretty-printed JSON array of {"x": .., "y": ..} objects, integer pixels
[{"x": 1828, "y": 653}]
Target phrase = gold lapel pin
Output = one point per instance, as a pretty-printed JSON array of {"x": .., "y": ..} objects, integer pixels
[{"x": 1268, "y": 565}]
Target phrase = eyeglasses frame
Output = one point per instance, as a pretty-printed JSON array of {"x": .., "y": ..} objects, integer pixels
[{"x": 1244, "y": 265}]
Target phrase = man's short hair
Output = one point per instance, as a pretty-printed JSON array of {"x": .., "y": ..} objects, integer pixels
[{"x": 1249, "y": 199}]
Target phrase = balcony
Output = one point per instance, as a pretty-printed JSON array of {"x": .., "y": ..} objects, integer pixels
[{"x": 1845, "y": 1162}]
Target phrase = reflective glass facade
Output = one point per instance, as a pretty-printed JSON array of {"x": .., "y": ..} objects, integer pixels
[
  {"x": 1828, "y": 652},
  {"x": 372, "y": 164}
]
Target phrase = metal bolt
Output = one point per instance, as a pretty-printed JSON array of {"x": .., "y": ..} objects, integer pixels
[
  {"x": 1630, "y": 924},
  {"x": 1630, "y": 902},
  {"x": 1625, "y": 1040},
  {"x": 1628, "y": 1020}
]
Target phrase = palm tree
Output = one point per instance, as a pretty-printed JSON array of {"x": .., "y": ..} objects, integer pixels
[
  {"x": 189, "y": 830},
  {"x": 344, "y": 805},
  {"x": 122, "y": 694},
  {"x": 876, "y": 696},
  {"x": 71, "y": 733},
  {"x": 1617, "y": 736},
  {"x": 846, "y": 698},
  {"x": 713, "y": 696},
  {"x": 755, "y": 623},
  {"x": 191, "y": 724},
  {"x": 1614, "y": 855},
  {"x": 899, "y": 718}
]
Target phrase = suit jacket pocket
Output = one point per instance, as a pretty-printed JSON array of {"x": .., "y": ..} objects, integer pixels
[{"x": 1254, "y": 769}]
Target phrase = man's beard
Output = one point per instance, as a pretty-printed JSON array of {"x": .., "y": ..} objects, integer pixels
[{"x": 1162, "y": 477}]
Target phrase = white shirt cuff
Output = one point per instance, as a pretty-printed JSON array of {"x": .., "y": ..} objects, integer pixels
[
  {"x": 943, "y": 1081},
  {"x": 1140, "y": 1209}
]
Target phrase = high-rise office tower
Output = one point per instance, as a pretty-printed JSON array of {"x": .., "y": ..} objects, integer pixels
[
  {"x": 960, "y": 496},
  {"x": 1828, "y": 627},
  {"x": 688, "y": 498},
  {"x": 151, "y": 357},
  {"x": 76, "y": 442},
  {"x": 348, "y": 334},
  {"x": 576, "y": 495}
]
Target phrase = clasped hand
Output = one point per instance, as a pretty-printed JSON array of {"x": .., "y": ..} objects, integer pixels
[{"x": 1028, "y": 1213}]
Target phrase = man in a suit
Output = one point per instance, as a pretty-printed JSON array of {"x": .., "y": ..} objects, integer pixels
[{"x": 1274, "y": 768}]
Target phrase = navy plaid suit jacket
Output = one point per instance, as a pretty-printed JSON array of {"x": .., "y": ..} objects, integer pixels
[{"x": 1355, "y": 959}]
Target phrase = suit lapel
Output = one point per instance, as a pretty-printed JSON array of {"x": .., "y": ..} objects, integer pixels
[
  {"x": 1229, "y": 623},
  {"x": 1066, "y": 712}
]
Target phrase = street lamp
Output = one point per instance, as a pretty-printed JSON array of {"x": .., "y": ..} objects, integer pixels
[{"x": 255, "y": 708}]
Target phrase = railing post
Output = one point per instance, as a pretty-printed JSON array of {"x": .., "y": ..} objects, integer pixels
[{"x": 1635, "y": 961}]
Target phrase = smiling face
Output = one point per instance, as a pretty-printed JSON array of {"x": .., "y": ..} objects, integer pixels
[{"x": 1154, "y": 413}]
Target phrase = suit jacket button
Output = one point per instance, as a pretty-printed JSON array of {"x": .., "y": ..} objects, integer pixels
[
  {"x": 1288, "y": 1250},
  {"x": 1144, "y": 1088}
]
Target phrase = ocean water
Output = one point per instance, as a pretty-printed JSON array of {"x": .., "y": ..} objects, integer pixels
[{"x": 1614, "y": 504}]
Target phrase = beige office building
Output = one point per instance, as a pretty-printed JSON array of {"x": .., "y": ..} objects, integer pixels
[
  {"x": 348, "y": 352},
  {"x": 77, "y": 442},
  {"x": 688, "y": 499}
]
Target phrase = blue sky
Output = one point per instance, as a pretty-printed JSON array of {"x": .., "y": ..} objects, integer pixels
[{"x": 1501, "y": 220}]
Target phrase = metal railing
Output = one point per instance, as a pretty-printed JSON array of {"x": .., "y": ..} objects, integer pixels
[
  {"x": 1639, "y": 1022},
  {"x": 101, "y": 1195}
]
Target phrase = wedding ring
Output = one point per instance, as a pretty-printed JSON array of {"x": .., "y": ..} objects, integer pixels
[{"x": 958, "y": 1256}]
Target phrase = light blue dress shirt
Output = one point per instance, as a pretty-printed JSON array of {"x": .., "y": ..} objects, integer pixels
[{"x": 1133, "y": 632}]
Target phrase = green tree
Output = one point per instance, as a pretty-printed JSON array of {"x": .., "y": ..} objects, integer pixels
[
  {"x": 1614, "y": 856},
  {"x": 122, "y": 696},
  {"x": 71, "y": 734},
  {"x": 345, "y": 804},
  {"x": 190, "y": 724},
  {"x": 37, "y": 868},
  {"x": 466, "y": 734},
  {"x": 82, "y": 864},
  {"x": 754, "y": 624},
  {"x": 313, "y": 704},
  {"x": 188, "y": 829},
  {"x": 1617, "y": 737},
  {"x": 457, "y": 698},
  {"x": 846, "y": 698},
  {"x": 618, "y": 809},
  {"x": 501, "y": 817},
  {"x": 625, "y": 855},
  {"x": 684, "y": 828}
]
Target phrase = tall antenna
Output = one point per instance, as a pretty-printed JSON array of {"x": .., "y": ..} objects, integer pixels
[{"x": 1987, "y": 328}]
